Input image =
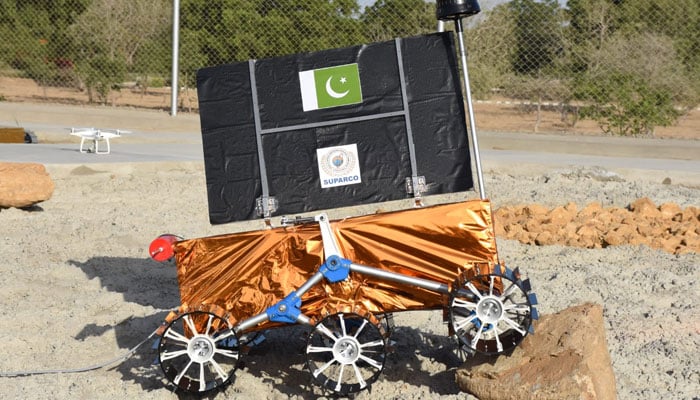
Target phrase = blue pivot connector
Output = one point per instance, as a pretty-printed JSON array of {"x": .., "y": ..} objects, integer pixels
[
  {"x": 286, "y": 310},
  {"x": 335, "y": 269}
]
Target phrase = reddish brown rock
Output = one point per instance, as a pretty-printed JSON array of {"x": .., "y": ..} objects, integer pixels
[
  {"x": 560, "y": 216},
  {"x": 690, "y": 214},
  {"x": 604, "y": 218},
  {"x": 649, "y": 227},
  {"x": 690, "y": 244},
  {"x": 24, "y": 184},
  {"x": 591, "y": 210},
  {"x": 544, "y": 238},
  {"x": 571, "y": 207},
  {"x": 535, "y": 211},
  {"x": 667, "y": 227},
  {"x": 614, "y": 238},
  {"x": 533, "y": 226},
  {"x": 588, "y": 236},
  {"x": 645, "y": 208},
  {"x": 670, "y": 210},
  {"x": 566, "y": 358},
  {"x": 618, "y": 215}
]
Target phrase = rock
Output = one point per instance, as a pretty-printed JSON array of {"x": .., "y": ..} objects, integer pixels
[
  {"x": 650, "y": 227},
  {"x": 691, "y": 214},
  {"x": 614, "y": 238},
  {"x": 588, "y": 236},
  {"x": 667, "y": 227},
  {"x": 670, "y": 210},
  {"x": 690, "y": 244},
  {"x": 645, "y": 208},
  {"x": 566, "y": 358},
  {"x": 618, "y": 215},
  {"x": 535, "y": 211},
  {"x": 533, "y": 226},
  {"x": 544, "y": 239},
  {"x": 571, "y": 207},
  {"x": 24, "y": 184},
  {"x": 591, "y": 210},
  {"x": 560, "y": 216},
  {"x": 604, "y": 218}
]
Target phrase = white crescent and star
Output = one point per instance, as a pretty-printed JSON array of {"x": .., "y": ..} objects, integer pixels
[{"x": 333, "y": 93}]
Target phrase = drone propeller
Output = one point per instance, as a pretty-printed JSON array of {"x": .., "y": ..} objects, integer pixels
[
  {"x": 97, "y": 131},
  {"x": 81, "y": 130}
]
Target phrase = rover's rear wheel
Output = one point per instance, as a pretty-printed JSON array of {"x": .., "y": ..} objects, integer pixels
[{"x": 199, "y": 351}]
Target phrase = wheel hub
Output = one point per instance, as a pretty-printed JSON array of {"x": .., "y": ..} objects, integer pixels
[
  {"x": 200, "y": 349},
  {"x": 346, "y": 350},
  {"x": 489, "y": 310}
]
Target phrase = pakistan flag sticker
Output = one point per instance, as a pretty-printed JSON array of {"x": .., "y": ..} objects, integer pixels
[{"x": 330, "y": 87}]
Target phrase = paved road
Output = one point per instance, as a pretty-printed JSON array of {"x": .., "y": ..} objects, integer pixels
[
  {"x": 68, "y": 153},
  {"x": 156, "y": 136}
]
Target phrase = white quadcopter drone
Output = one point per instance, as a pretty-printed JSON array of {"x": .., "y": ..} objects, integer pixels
[{"x": 96, "y": 135}]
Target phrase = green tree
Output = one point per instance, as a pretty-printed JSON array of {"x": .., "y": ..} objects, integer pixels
[
  {"x": 633, "y": 62},
  {"x": 214, "y": 32},
  {"x": 389, "y": 19},
  {"x": 309, "y": 25},
  {"x": 220, "y": 31},
  {"x": 40, "y": 45},
  {"x": 634, "y": 92},
  {"x": 109, "y": 35},
  {"x": 538, "y": 35},
  {"x": 591, "y": 23},
  {"x": 677, "y": 20},
  {"x": 491, "y": 46}
]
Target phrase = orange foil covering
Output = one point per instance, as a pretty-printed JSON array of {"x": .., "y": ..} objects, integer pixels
[{"x": 245, "y": 273}]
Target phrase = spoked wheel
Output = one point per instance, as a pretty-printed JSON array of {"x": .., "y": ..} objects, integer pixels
[
  {"x": 491, "y": 310},
  {"x": 199, "y": 351},
  {"x": 346, "y": 352}
]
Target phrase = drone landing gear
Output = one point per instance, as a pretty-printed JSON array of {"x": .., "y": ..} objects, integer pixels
[
  {"x": 346, "y": 352},
  {"x": 199, "y": 351},
  {"x": 95, "y": 147},
  {"x": 491, "y": 310}
]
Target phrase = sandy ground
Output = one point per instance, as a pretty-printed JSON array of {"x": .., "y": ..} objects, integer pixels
[{"x": 79, "y": 289}]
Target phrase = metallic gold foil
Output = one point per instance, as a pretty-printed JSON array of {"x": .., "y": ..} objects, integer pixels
[{"x": 245, "y": 273}]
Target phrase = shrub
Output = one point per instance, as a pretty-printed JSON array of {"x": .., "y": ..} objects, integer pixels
[
  {"x": 635, "y": 83},
  {"x": 633, "y": 106}
]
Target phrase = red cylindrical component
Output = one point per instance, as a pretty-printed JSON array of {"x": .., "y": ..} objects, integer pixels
[{"x": 161, "y": 248}]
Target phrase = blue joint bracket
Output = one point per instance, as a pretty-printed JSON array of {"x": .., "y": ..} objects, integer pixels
[
  {"x": 335, "y": 269},
  {"x": 286, "y": 310}
]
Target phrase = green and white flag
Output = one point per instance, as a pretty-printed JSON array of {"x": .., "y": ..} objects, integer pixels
[{"x": 330, "y": 87}]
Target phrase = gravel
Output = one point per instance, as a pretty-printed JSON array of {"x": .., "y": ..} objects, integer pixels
[{"x": 79, "y": 289}]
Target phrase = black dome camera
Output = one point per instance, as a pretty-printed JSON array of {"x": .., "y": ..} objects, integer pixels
[{"x": 456, "y": 9}]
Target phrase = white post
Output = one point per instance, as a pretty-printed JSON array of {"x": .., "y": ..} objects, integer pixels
[
  {"x": 176, "y": 61},
  {"x": 470, "y": 108}
]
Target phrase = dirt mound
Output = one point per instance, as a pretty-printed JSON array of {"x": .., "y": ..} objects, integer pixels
[{"x": 666, "y": 227}]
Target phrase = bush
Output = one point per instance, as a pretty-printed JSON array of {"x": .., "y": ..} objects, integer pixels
[
  {"x": 635, "y": 83},
  {"x": 101, "y": 75},
  {"x": 634, "y": 107}
]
